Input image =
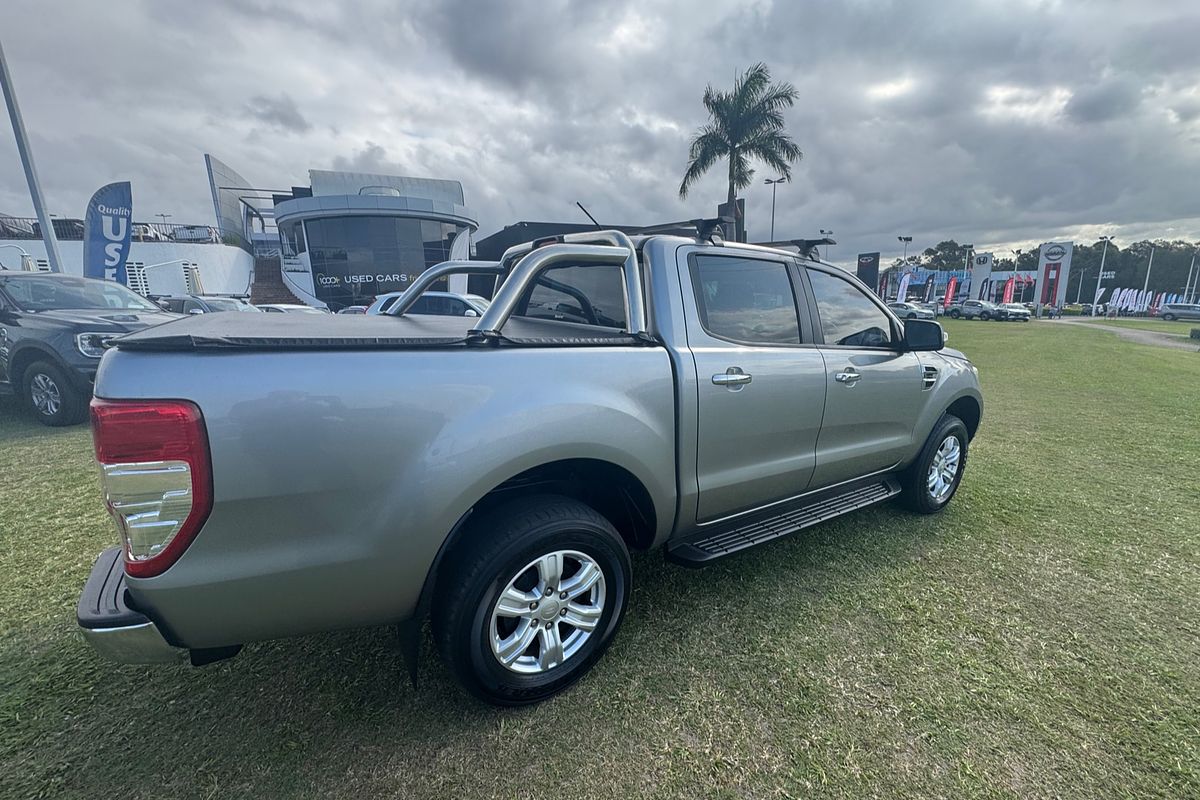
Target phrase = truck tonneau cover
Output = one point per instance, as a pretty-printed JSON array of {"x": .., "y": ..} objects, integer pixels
[{"x": 244, "y": 331}]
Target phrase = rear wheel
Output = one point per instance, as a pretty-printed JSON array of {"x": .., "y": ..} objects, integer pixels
[
  {"x": 49, "y": 394},
  {"x": 931, "y": 481},
  {"x": 1169, "y": 317},
  {"x": 955, "y": 313},
  {"x": 534, "y": 599},
  {"x": 985, "y": 316}
]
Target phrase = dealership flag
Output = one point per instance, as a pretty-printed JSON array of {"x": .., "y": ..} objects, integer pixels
[
  {"x": 902, "y": 292},
  {"x": 1008, "y": 290},
  {"x": 951, "y": 287},
  {"x": 106, "y": 232},
  {"x": 868, "y": 268}
]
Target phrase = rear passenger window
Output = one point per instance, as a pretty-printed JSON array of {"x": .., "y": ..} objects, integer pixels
[
  {"x": 746, "y": 300},
  {"x": 589, "y": 295},
  {"x": 848, "y": 317}
]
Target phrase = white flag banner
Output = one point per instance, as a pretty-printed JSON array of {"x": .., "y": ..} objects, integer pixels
[
  {"x": 902, "y": 292},
  {"x": 981, "y": 274},
  {"x": 1099, "y": 294}
]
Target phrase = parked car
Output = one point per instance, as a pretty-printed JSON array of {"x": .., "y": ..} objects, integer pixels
[
  {"x": 205, "y": 304},
  {"x": 194, "y": 233},
  {"x": 443, "y": 304},
  {"x": 1015, "y": 312},
  {"x": 1172, "y": 311},
  {"x": 54, "y": 329},
  {"x": 494, "y": 473},
  {"x": 291, "y": 308},
  {"x": 911, "y": 311},
  {"x": 353, "y": 310},
  {"x": 977, "y": 309}
]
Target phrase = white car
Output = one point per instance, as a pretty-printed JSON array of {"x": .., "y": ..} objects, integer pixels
[
  {"x": 291, "y": 308},
  {"x": 442, "y": 304}
]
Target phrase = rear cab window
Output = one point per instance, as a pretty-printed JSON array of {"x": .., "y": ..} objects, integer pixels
[{"x": 586, "y": 295}]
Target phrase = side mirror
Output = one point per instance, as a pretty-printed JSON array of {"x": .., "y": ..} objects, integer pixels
[
  {"x": 923, "y": 334},
  {"x": 196, "y": 311},
  {"x": 470, "y": 312}
]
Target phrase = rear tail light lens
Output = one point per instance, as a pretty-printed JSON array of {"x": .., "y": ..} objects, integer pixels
[{"x": 156, "y": 475}]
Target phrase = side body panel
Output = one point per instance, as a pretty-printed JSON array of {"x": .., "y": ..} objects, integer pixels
[{"x": 337, "y": 476}]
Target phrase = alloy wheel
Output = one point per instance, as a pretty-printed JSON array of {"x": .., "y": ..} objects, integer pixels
[
  {"x": 45, "y": 395},
  {"x": 939, "y": 481},
  {"x": 547, "y": 612}
]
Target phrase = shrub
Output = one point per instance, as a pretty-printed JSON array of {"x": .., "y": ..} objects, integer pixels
[{"x": 1196, "y": 333}]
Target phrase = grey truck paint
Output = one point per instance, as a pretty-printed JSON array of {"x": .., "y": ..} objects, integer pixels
[{"x": 339, "y": 471}]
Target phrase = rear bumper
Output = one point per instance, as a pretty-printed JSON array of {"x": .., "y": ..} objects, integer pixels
[{"x": 115, "y": 630}]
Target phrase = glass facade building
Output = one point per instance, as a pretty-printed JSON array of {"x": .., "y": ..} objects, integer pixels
[
  {"x": 345, "y": 249},
  {"x": 354, "y": 258}
]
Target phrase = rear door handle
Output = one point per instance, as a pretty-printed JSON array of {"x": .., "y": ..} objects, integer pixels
[
  {"x": 732, "y": 377},
  {"x": 848, "y": 375}
]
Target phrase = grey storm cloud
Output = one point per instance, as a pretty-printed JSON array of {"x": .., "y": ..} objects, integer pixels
[
  {"x": 279, "y": 112},
  {"x": 1001, "y": 123}
]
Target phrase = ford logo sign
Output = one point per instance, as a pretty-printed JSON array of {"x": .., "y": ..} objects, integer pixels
[{"x": 1055, "y": 252}]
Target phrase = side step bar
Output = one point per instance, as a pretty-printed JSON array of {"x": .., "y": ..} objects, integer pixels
[{"x": 743, "y": 533}]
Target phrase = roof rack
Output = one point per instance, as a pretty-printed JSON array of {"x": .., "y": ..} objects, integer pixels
[
  {"x": 807, "y": 247},
  {"x": 705, "y": 228}
]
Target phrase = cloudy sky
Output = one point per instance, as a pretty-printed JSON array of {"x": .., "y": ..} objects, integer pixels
[{"x": 998, "y": 123}]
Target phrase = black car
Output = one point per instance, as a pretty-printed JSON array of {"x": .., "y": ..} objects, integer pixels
[{"x": 53, "y": 330}]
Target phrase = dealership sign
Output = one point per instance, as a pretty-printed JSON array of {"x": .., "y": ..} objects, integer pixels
[
  {"x": 1054, "y": 266},
  {"x": 107, "y": 229}
]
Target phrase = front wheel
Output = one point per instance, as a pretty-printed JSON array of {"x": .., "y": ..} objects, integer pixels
[
  {"x": 532, "y": 600},
  {"x": 49, "y": 394},
  {"x": 931, "y": 481},
  {"x": 955, "y": 314},
  {"x": 1169, "y": 317},
  {"x": 985, "y": 316}
]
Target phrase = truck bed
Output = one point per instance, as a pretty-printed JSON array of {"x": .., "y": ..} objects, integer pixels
[{"x": 236, "y": 331}]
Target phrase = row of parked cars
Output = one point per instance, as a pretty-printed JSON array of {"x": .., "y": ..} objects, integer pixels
[
  {"x": 967, "y": 309},
  {"x": 54, "y": 328}
]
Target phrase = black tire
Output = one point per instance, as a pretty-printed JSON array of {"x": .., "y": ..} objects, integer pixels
[
  {"x": 911, "y": 315},
  {"x": 985, "y": 316},
  {"x": 955, "y": 313},
  {"x": 916, "y": 495},
  {"x": 499, "y": 543},
  {"x": 1169, "y": 317},
  {"x": 65, "y": 406}
]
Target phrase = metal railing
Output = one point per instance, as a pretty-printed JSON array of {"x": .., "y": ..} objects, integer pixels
[{"x": 28, "y": 229}]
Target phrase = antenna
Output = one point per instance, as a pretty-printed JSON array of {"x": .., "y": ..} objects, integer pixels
[{"x": 589, "y": 216}]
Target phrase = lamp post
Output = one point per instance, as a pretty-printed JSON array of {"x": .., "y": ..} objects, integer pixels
[
  {"x": 826, "y": 233},
  {"x": 773, "y": 183},
  {"x": 1100, "y": 274},
  {"x": 905, "y": 240},
  {"x": 1187, "y": 285},
  {"x": 31, "y": 176},
  {"x": 1146, "y": 285},
  {"x": 164, "y": 217}
]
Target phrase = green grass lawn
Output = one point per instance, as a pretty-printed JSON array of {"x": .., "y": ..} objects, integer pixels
[
  {"x": 1041, "y": 638},
  {"x": 1180, "y": 327}
]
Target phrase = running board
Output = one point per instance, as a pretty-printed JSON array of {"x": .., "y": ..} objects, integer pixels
[{"x": 740, "y": 534}]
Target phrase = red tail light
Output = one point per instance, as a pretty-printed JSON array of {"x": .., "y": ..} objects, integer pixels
[{"x": 157, "y": 477}]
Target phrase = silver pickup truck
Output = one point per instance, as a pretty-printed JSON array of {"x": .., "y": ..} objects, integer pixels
[{"x": 276, "y": 475}]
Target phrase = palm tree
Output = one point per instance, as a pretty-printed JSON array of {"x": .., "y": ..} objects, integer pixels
[{"x": 745, "y": 124}]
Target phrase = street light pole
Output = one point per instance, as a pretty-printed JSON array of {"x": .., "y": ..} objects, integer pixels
[
  {"x": 773, "y": 183},
  {"x": 1017, "y": 268},
  {"x": 31, "y": 176},
  {"x": 1187, "y": 285},
  {"x": 1100, "y": 274}
]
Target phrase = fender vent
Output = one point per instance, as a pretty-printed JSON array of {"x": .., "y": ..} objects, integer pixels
[{"x": 930, "y": 377}]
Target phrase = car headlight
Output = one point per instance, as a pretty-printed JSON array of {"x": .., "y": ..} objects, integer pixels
[{"x": 92, "y": 345}]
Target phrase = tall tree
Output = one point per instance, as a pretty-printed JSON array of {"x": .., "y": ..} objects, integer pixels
[{"x": 744, "y": 124}]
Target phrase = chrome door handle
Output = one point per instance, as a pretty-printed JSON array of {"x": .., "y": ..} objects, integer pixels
[
  {"x": 848, "y": 375},
  {"x": 731, "y": 377}
]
